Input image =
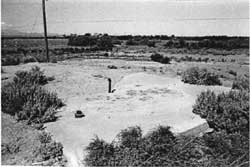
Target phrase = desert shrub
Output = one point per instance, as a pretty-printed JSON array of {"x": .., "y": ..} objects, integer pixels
[
  {"x": 48, "y": 149},
  {"x": 25, "y": 99},
  {"x": 132, "y": 149},
  {"x": 232, "y": 145},
  {"x": 228, "y": 115},
  {"x": 130, "y": 137},
  {"x": 241, "y": 83},
  {"x": 151, "y": 43},
  {"x": 131, "y": 42},
  {"x": 232, "y": 72},
  {"x": 51, "y": 150},
  {"x": 226, "y": 111},
  {"x": 10, "y": 60},
  {"x": 112, "y": 67},
  {"x": 28, "y": 59},
  {"x": 100, "y": 153},
  {"x": 194, "y": 75},
  {"x": 44, "y": 137},
  {"x": 156, "y": 57},
  {"x": 105, "y": 43},
  {"x": 34, "y": 76},
  {"x": 160, "y": 58}
]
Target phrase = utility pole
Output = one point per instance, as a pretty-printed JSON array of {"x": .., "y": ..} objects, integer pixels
[{"x": 45, "y": 31}]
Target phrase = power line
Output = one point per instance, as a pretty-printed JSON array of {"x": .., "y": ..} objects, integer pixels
[
  {"x": 127, "y": 20},
  {"x": 34, "y": 24}
]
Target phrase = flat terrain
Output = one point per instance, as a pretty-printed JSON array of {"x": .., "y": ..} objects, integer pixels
[{"x": 145, "y": 93}]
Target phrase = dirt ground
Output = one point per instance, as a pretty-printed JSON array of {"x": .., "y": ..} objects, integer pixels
[{"x": 147, "y": 94}]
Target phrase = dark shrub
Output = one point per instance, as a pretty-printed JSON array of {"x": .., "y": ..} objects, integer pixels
[
  {"x": 156, "y": 57},
  {"x": 131, "y": 42},
  {"x": 194, "y": 75},
  {"x": 160, "y": 141},
  {"x": 100, "y": 153},
  {"x": 226, "y": 111},
  {"x": 29, "y": 59},
  {"x": 112, "y": 67},
  {"x": 160, "y": 58},
  {"x": 10, "y": 60},
  {"x": 241, "y": 83},
  {"x": 130, "y": 137},
  {"x": 105, "y": 43},
  {"x": 151, "y": 43},
  {"x": 132, "y": 149},
  {"x": 34, "y": 76},
  {"x": 51, "y": 150},
  {"x": 232, "y": 73},
  {"x": 25, "y": 99},
  {"x": 165, "y": 60}
]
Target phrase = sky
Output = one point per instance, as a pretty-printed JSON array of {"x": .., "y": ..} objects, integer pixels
[{"x": 119, "y": 17}]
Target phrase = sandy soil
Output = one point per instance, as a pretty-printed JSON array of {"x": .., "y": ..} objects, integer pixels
[{"x": 140, "y": 98}]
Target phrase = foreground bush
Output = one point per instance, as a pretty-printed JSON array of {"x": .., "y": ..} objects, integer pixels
[
  {"x": 228, "y": 145},
  {"x": 228, "y": 115},
  {"x": 25, "y": 99},
  {"x": 195, "y": 75},
  {"x": 226, "y": 111}
]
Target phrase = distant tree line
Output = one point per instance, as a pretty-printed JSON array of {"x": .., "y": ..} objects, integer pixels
[
  {"x": 101, "y": 42},
  {"x": 209, "y": 43}
]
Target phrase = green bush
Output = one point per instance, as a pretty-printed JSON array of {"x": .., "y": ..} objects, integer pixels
[
  {"x": 241, "y": 83},
  {"x": 25, "y": 99},
  {"x": 195, "y": 75}
]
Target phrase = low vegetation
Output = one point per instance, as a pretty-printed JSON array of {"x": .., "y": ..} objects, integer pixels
[
  {"x": 23, "y": 145},
  {"x": 25, "y": 99},
  {"x": 195, "y": 75},
  {"x": 241, "y": 83},
  {"x": 227, "y": 145},
  {"x": 160, "y": 58}
]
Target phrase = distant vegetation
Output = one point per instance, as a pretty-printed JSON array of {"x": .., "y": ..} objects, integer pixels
[
  {"x": 160, "y": 58},
  {"x": 195, "y": 75},
  {"x": 99, "y": 42},
  {"x": 228, "y": 145},
  {"x": 25, "y": 99},
  {"x": 17, "y": 50}
]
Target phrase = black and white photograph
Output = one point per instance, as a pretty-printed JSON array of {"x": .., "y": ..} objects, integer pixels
[{"x": 120, "y": 83}]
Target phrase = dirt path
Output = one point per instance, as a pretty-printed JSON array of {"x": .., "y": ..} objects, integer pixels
[{"x": 140, "y": 98}]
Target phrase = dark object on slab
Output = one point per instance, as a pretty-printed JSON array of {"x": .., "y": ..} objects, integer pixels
[
  {"x": 112, "y": 67},
  {"x": 109, "y": 80},
  {"x": 79, "y": 114}
]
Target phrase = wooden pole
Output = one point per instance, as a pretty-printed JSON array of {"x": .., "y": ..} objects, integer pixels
[
  {"x": 45, "y": 31},
  {"x": 109, "y": 80}
]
